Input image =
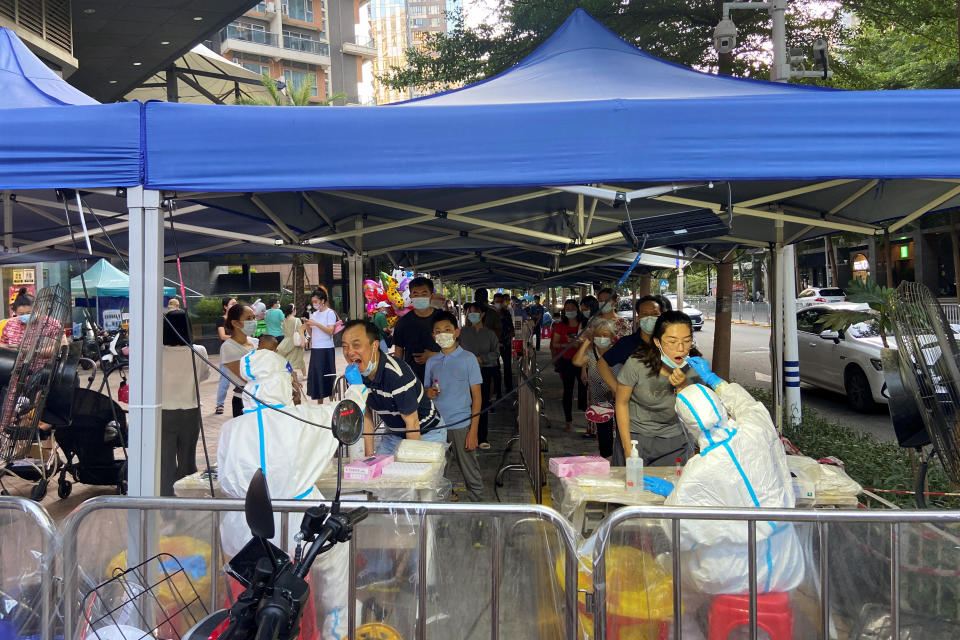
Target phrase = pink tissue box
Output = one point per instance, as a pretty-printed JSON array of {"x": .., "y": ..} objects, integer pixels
[
  {"x": 570, "y": 466},
  {"x": 366, "y": 468}
]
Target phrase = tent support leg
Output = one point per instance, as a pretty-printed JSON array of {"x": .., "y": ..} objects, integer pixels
[
  {"x": 722, "y": 318},
  {"x": 7, "y": 220},
  {"x": 355, "y": 276},
  {"x": 146, "y": 288},
  {"x": 791, "y": 366}
]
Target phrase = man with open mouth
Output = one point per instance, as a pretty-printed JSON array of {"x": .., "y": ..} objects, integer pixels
[{"x": 396, "y": 394}]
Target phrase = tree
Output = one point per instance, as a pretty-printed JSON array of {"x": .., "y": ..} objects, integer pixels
[
  {"x": 298, "y": 96},
  {"x": 900, "y": 44},
  {"x": 677, "y": 30}
]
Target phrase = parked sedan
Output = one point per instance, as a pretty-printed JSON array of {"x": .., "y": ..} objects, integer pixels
[
  {"x": 696, "y": 316},
  {"x": 844, "y": 361},
  {"x": 820, "y": 295}
]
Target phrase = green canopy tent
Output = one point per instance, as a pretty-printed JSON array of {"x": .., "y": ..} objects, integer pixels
[{"x": 107, "y": 288}]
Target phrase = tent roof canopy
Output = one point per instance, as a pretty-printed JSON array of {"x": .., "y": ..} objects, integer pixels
[
  {"x": 475, "y": 173},
  {"x": 583, "y": 60},
  {"x": 27, "y": 82}
]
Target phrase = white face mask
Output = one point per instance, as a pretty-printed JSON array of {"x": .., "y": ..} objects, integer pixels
[
  {"x": 647, "y": 324},
  {"x": 606, "y": 307},
  {"x": 497, "y": 305},
  {"x": 602, "y": 342},
  {"x": 420, "y": 303},
  {"x": 445, "y": 340},
  {"x": 249, "y": 327}
]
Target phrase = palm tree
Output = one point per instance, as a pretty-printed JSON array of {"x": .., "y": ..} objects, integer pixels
[{"x": 299, "y": 96}]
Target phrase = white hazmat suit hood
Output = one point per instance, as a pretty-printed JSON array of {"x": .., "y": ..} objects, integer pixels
[{"x": 741, "y": 464}]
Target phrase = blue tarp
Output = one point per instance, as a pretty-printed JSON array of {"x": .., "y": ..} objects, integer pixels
[
  {"x": 585, "y": 107},
  {"x": 46, "y": 143}
]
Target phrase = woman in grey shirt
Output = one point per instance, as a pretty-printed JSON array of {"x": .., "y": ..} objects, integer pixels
[
  {"x": 485, "y": 345},
  {"x": 648, "y": 383}
]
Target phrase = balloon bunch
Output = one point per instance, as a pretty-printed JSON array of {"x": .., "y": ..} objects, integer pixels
[{"x": 389, "y": 295}]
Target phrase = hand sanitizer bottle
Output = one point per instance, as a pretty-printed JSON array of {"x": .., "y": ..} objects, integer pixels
[{"x": 634, "y": 469}]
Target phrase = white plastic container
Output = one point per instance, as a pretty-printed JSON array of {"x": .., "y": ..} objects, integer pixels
[{"x": 634, "y": 469}]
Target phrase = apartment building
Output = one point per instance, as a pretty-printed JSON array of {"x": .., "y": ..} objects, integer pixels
[
  {"x": 397, "y": 25},
  {"x": 301, "y": 41}
]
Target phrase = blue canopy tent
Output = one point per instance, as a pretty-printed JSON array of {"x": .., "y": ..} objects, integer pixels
[
  {"x": 481, "y": 184},
  {"x": 476, "y": 169}
]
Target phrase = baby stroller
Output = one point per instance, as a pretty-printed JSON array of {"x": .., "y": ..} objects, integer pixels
[{"x": 98, "y": 427}]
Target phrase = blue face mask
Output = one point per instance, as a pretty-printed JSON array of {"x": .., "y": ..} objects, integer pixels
[
  {"x": 474, "y": 318},
  {"x": 647, "y": 324},
  {"x": 570, "y": 314},
  {"x": 420, "y": 304},
  {"x": 669, "y": 362},
  {"x": 370, "y": 368},
  {"x": 25, "y": 317}
]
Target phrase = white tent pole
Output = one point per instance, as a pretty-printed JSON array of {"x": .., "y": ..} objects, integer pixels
[
  {"x": 680, "y": 279},
  {"x": 791, "y": 365},
  {"x": 146, "y": 288},
  {"x": 355, "y": 276}
]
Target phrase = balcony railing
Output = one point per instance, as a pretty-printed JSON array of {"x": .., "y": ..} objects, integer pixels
[
  {"x": 255, "y": 36},
  {"x": 306, "y": 45},
  {"x": 291, "y": 43}
]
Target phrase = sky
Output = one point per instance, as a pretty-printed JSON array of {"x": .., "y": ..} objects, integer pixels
[{"x": 476, "y": 12}]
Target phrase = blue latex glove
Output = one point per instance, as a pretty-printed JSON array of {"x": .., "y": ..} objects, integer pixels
[
  {"x": 702, "y": 367},
  {"x": 658, "y": 486},
  {"x": 352, "y": 374}
]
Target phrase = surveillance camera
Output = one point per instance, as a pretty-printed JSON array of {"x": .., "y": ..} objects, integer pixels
[
  {"x": 725, "y": 36},
  {"x": 820, "y": 45}
]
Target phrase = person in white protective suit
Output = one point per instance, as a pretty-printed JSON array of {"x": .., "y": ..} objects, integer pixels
[
  {"x": 293, "y": 455},
  {"x": 741, "y": 464}
]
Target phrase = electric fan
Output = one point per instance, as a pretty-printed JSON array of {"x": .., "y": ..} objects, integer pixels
[
  {"x": 38, "y": 384},
  {"x": 930, "y": 368}
]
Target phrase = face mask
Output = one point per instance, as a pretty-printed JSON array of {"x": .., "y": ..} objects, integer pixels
[
  {"x": 647, "y": 324},
  {"x": 474, "y": 318},
  {"x": 602, "y": 342},
  {"x": 445, "y": 340},
  {"x": 606, "y": 307},
  {"x": 586, "y": 314},
  {"x": 420, "y": 303},
  {"x": 498, "y": 305},
  {"x": 570, "y": 314},
  {"x": 669, "y": 362},
  {"x": 25, "y": 317},
  {"x": 249, "y": 327},
  {"x": 370, "y": 367},
  {"x": 318, "y": 306}
]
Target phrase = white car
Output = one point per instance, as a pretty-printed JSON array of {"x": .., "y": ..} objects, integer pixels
[
  {"x": 820, "y": 295},
  {"x": 696, "y": 316},
  {"x": 848, "y": 361}
]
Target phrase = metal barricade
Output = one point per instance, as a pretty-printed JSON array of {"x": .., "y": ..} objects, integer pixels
[
  {"x": 884, "y": 539},
  {"x": 952, "y": 312},
  {"x": 508, "y": 530},
  {"x": 28, "y": 546}
]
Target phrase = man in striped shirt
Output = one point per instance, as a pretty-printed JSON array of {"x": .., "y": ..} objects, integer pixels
[{"x": 396, "y": 394}]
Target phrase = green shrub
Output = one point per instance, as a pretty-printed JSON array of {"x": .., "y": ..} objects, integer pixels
[{"x": 206, "y": 310}]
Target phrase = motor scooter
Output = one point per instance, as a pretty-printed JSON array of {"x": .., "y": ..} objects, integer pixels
[{"x": 276, "y": 589}]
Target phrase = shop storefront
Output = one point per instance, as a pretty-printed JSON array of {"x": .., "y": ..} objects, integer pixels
[{"x": 32, "y": 277}]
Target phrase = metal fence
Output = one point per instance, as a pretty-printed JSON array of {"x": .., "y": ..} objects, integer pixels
[
  {"x": 28, "y": 546},
  {"x": 493, "y": 585},
  {"x": 853, "y": 556}
]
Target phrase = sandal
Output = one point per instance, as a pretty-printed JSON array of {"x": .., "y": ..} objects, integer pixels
[{"x": 219, "y": 410}]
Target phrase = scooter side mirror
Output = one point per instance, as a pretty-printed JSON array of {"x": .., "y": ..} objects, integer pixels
[
  {"x": 347, "y": 422},
  {"x": 257, "y": 507}
]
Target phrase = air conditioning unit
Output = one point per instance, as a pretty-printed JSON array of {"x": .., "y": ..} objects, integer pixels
[{"x": 271, "y": 7}]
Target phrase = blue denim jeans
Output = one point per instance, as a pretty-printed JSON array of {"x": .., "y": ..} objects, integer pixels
[
  {"x": 223, "y": 387},
  {"x": 389, "y": 442}
]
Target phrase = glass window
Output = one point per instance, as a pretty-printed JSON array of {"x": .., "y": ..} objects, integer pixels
[
  {"x": 295, "y": 79},
  {"x": 256, "y": 67},
  {"x": 260, "y": 8},
  {"x": 298, "y": 9}
]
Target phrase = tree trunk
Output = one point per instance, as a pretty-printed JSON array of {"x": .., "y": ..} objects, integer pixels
[
  {"x": 831, "y": 261},
  {"x": 955, "y": 244},
  {"x": 888, "y": 266},
  {"x": 643, "y": 287},
  {"x": 724, "y": 316},
  {"x": 299, "y": 301}
]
